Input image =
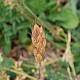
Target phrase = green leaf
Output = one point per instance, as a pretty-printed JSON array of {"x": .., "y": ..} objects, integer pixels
[
  {"x": 48, "y": 36},
  {"x": 71, "y": 19},
  {"x": 23, "y": 35},
  {"x": 73, "y": 4},
  {"x": 6, "y": 38},
  {"x": 7, "y": 48},
  {"x": 36, "y": 6},
  {"x": 66, "y": 18},
  {"x": 6, "y": 63}
]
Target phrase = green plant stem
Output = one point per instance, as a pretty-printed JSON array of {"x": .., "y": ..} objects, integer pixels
[
  {"x": 68, "y": 44},
  {"x": 69, "y": 72},
  {"x": 30, "y": 66},
  {"x": 25, "y": 15},
  {"x": 53, "y": 61},
  {"x": 57, "y": 45},
  {"x": 69, "y": 58},
  {"x": 45, "y": 64},
  {"x": 20, "y": 73}
]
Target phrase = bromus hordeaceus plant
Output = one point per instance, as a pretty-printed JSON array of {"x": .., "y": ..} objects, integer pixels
[{"x": 39, "y": 43}]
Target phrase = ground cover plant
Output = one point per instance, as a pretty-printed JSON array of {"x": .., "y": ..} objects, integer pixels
[{"x": 39, "y": 40}]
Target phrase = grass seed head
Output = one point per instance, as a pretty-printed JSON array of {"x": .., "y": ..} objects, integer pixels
[{"x": 39, "y": 42}]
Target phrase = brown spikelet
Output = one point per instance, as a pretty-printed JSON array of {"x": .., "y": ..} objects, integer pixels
[
  {"x": 39, "y": 42},
  {"x": 35, "y": 33}
]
